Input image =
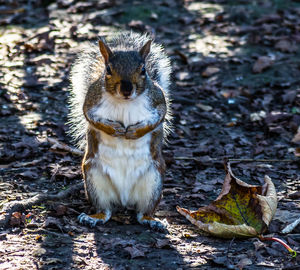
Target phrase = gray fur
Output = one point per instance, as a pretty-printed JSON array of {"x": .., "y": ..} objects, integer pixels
[{"x": 89, "y": 67}]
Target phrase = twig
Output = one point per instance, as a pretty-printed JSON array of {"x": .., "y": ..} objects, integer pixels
[
  {"x": 16, "y": 206},
  {"x": 291, "y": 226},
  {"x": 45, "y": 231},
  {"x": 290, "y": 250},
  {"x": 239, "y": 159},
  {"x": 228, "y": 260},
  {"x": 59, "y": 145},
  {"x": 54, "y": 173},
  {"x": 27, "y": 163}
]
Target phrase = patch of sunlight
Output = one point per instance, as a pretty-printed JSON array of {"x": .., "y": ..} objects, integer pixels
[
  {"x": 107, "y": 30},
  {"x": 10, "y": 36},
  {"x": 210, "y": 45},
  {"x": 84, "y": 28},
  {"x": 184, "y": 246},
  {"x": 207, "y": 10},
  {"x": 30, "y": 120}
]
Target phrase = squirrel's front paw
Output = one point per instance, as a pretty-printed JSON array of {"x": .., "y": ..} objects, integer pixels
[
  {"x": 118, "y": 128},
  {"x": 136, "y": 131}
]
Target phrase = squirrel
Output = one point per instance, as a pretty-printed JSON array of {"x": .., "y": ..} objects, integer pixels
[{"x": 120, "y": 113}]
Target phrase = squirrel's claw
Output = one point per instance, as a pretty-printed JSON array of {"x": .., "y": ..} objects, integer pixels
[
  {"x": 152, "y": 223},
  {"x": 93, "y": 220},
  {"x": 84, "y": 219},
  {"x": 118, "y": 128},
  {"x": 131, "y": 131}
]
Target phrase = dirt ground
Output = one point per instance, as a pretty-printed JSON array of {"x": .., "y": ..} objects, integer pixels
[{"x": 235, "y": 92}]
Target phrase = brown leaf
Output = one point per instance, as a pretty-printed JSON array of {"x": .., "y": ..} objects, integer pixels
[
  {"x": 61, "y": 210},
  {"x": 241, "y": 210},
  {"x": 261, "y": 64},
  {"x": 134, "y": 252},
  {"x": 297, "y": 152},
  {"x": 296, "y": 138},
  {"x": 162, "y": 243},
  {"x": 204, "y": 187},
  {"x": 286, "y": 46},
  {"x": 244, "y": 262},
  {"x": 295, "y": 195},
  {"x": 52, "y": 222},
  {"x": 17, "y": 219}
]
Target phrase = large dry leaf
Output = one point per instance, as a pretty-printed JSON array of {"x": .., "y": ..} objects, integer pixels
[{"x": 241, "y": 210}]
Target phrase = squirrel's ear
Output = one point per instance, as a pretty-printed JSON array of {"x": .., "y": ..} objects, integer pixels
[
  {"x": 105, "y": 51},
  {"x": 144, "y": 51}
]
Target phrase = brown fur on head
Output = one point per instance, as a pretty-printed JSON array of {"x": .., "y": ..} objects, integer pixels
[{"x": 125, "y": 74}]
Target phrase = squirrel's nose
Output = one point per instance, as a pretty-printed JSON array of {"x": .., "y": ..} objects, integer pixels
[{"x": 126, "y": 88}]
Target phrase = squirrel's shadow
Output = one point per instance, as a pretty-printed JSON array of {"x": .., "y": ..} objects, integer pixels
[{"x": 134, "y": 246}]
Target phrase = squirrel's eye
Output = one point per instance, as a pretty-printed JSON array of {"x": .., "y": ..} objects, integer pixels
[
  {"x": 108, "y": 70},
  {"x": 143, "y": 70}
]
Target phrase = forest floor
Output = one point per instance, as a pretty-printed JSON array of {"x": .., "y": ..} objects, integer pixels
[{"x": 235, "y": 92}]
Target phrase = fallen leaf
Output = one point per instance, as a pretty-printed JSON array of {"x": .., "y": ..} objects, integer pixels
[
  {"x": 17, "y": 219},
  {"x": 269, "y": 18},
  {"x": 61, "y": 210},
  {"x": 52, "y": 222},
  {"x": 241, "y": 210},
  {"x": 209, "y": 71},
  {"x": 162, "y": 243},
  {"x": 295, "y": 195},
  {"x": 134, "y": 252},
  {"x": 38, "y": 238},
  {"x": 297, "y": 152},
  {"x": 258, "y": 116},
  {"x": 204, "y": 187},
  {"x": 182, "y": 76},
  {"x": 203, "y": 107},
  {"x": 29, "y": 173},
  {"x": 261, "y": 64},
  {"x": 286, "y": 46},
  {"x": 48, "y": 261},
  {"x": 296, "y": 138},
  {"x": 38, "y": 252},
  {"x": 244, "y": 262}
]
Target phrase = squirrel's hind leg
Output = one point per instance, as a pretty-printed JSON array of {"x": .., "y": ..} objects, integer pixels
[
  {"x": 93, "y": 220},
  {"x": 146, "y": 196}
]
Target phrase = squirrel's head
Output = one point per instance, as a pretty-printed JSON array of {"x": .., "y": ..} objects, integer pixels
[{"x": 125, "y": 73}]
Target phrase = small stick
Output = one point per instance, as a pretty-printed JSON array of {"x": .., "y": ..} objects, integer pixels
[
  {"x": 228, "y": 260},
  {"x": 240, "y": 160},
  {"x": 63, "y": 146},
  {"x": 291, "y": 226},
  {"x": 291, "y": 251},
  {"x": 16, "y": 206}
]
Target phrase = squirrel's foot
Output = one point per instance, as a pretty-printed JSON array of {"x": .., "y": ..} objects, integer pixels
[
  {"x": 95, "y": 219},
  {"x": 151, "y": 222}
]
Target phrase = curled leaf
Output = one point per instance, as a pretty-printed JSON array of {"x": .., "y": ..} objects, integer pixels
[{"x": 241, "y": 210}]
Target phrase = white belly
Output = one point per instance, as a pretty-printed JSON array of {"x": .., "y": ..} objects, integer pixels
[{"x": 125, "y": 162}]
